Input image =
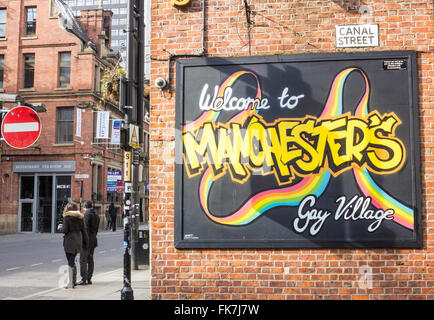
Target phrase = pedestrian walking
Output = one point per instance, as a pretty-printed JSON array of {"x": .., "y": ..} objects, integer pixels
[
  {"x": 108, "y": 219},
  {"x": 113, "y": 216},
  {"x": 91, "y": 224},
  {"x": 74, "y": 239}
]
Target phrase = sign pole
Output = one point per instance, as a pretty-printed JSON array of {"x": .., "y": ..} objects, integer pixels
[
  {"x": 134, "y": 122},
  {"x": 127, "y": 291}
]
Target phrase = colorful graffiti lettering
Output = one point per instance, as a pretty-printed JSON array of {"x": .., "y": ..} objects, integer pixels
[
  {"x": 291, "y": 147},
  {"x": 310, "y": 149}
]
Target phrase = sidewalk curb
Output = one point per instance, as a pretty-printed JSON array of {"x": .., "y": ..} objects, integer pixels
[{"x": 105, "y": 286}]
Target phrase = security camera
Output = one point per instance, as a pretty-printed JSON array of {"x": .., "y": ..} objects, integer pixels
[{"x": 160, "y": 83}]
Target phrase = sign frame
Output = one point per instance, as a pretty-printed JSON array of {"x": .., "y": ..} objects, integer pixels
[
  {"x": 43, "y": 166},
  {"x": 375, "y": 42},
  {"x": 134, "y": 136},
  {"x": 127, "y": 165},
  {"x": 185, "y": 240}
]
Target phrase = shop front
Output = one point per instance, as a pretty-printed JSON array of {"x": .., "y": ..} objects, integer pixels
[{"x": 44, "y": 189}]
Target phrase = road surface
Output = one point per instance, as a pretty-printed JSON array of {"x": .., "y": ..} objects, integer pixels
[{"x": 32, "y": 263}]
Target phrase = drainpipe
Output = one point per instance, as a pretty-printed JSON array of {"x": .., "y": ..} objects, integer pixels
[{"x": 200, "y": 54}]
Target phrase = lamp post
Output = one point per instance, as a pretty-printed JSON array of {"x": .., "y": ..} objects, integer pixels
[{"x": 134, "y": 101}]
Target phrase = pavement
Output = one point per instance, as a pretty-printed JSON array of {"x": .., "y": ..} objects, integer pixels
[{"x": 105, "y": 286}]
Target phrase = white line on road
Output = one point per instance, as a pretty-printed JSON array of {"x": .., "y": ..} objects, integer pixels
[
  {"x": 104, "y": 251},
  {"x": 56, "y": 260},
  {"x": 16, "y": 268},
  {"x": 36, "y": 264}
]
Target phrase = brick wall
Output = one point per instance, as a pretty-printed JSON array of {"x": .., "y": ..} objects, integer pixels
[{"x": 283, "y": 27}]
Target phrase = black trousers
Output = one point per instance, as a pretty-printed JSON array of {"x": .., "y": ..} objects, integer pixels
[
  {"x": 71, "y": 259},
  {"x": 86, "y": 263},
  {"x": 113, "y": 224}
]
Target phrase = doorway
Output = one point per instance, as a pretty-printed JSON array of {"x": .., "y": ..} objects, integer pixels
[
  {"x": 42, "y": 198},
  {"x": 44, "y": 207}
]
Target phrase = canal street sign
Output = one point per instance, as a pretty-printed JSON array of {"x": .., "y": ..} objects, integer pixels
[
  {"x": 357, "y": 36},
  {"x": 21, "y": 127}
]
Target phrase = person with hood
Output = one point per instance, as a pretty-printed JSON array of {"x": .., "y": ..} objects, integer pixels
[
  {"x": 75, "y": 237},
  {"x": 91, "y": 224}
]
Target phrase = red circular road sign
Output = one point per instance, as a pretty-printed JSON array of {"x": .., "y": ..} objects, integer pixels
[
  {"x": 21, "y": 127},
  {"x": 120, "y": 187}
]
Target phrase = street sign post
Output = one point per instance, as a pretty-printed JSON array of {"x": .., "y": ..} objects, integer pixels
[{"x": 21, "y": 127}]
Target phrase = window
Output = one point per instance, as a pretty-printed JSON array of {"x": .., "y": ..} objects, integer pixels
[
  {"x": 30, "y": 21},
  {"x": 2, "y": 70},
  {"x": 64, "y": 69},
  {"x": 96, "y": 182},
  {"x": 97, "y": 79},
  {"x": 2, "y": 23},
  {"x": 107, "y": 31},
  {"x": 113, "y": 177},
  {"x": 29, "y": 70},
  {"x": 64, "y": 125}
]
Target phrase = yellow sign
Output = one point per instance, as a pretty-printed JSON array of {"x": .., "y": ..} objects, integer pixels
[
  {"x": 127, "y": 166},
  {"x": 180, "y": 2},
  {"x": 134, "y": 136}
]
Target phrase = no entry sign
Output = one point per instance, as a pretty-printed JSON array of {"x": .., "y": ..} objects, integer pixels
[
  {"x": 21, "y": 127},
  {"x": 120, "y": 187}
]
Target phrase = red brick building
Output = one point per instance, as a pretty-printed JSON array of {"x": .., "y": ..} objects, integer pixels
[
  {"x": 50, "y": 57},
  {"x": 236, "y": 28}
]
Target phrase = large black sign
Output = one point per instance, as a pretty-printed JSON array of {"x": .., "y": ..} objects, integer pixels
[{"x": 298, "y": 151}]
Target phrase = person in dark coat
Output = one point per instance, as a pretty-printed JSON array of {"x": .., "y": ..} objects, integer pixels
[
  {"x": 91, "y": 224},
  {"x": 108, "y": 218},
  {"x": 75, "y": 237},
  {"x": 112, "y": 213}
]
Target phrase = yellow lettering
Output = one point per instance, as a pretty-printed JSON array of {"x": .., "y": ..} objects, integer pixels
[{"x": 291, "y": 147}]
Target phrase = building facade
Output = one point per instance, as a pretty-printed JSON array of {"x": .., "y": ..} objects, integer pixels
[
  {"x": 119, "y": 19},
  {"x": 288, "y": 40},
  {"x": 119, "y": 23},
  {"x": 50, "y": 57}
]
